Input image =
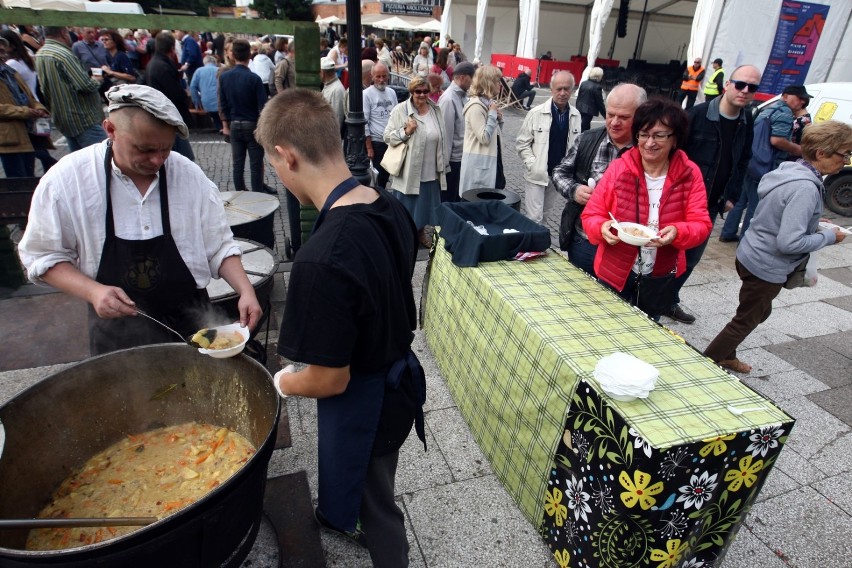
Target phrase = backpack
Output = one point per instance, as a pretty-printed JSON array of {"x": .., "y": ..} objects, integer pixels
[{"x": 762, "y": 151}]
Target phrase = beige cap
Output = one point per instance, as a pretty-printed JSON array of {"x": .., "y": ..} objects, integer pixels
[{"x": 150, "y": 100}]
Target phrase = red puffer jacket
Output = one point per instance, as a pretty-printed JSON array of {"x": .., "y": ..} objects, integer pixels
[{"x": 683, "y": 204}]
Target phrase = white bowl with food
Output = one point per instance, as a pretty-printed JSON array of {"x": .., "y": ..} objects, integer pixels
[
  {"x": 228, "y": 341},
  {"x": 635, "y": 234}
]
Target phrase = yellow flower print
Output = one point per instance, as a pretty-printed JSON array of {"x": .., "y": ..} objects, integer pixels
[
  {"x": 562, "y": 558},
  {"x": 671, "y": 555},
  {"x": 638, "y": 490},
  {"x": 746, "y": 474},
  {"x": 716, "y": 445},
  {"x": 553, "y": 506}
]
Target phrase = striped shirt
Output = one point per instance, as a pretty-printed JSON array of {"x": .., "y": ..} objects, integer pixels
[{"x": 70, "y": 94}]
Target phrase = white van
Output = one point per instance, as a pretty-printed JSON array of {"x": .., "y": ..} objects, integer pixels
[{"x": 832, "y": 101}]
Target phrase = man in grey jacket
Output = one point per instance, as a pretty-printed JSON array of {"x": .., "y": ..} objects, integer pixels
[{"x": 452, "y": 108}]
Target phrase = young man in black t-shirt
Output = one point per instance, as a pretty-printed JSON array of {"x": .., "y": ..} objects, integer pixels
[{"x": 350, "y": 316}]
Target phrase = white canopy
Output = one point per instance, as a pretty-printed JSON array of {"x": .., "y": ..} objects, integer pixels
[
  {"x": 600, "y": 15},
  {"x": 528, "y": 38},
  {"x": 392, "y": 23},
  {"x": 481, "y": 13},
  {"x": 445, "y": 23},
  {"x": 425, "y": 25},
  {"x": 104, "y": 6}
]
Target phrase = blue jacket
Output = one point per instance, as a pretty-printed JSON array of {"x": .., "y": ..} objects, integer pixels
[
  {"x": 204, "y": 88},
  {"x": 704, "y": 144},
  {"x": 190, "y": 53}
]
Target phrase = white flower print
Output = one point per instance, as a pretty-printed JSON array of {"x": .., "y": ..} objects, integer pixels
[
  {"x": 577, "y": 499},
  {"x": 672, "y": 461},
  {"x": 581, "y": 444},
  {"x": 765, "y": 440},
  {"x": 641, "y": 442},
  {"x": 699, "y": 490},
  {"x": 675, "y": 526},
  {"x": 693, "y": 563}
]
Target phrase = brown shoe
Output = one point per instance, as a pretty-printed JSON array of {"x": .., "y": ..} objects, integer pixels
[{"x": 736, "y": 366}]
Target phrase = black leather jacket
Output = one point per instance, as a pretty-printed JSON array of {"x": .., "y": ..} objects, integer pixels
[{"x": 704, "y": 144}]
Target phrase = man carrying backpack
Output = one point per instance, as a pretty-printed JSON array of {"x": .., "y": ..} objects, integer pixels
[{"x": 773, "y": 130}]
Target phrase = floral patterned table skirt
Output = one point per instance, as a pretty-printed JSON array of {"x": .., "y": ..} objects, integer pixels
[{"x": 614, "y": 501}]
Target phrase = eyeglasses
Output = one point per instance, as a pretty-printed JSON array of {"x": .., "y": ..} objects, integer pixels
[
  {"x": 657, "y": 136},
  {"x": 421, "y": 92},
  {"x": 845, "y": 155},
  {"x": 740, "y": 85}
]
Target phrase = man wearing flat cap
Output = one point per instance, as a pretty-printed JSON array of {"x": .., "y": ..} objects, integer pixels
[
  {"x": 332, "y": 90},
  {"x": 452, "y": 109},
  {"x": 128, "y": 224}
]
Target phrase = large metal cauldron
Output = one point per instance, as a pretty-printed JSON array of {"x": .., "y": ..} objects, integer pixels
[{"x": 55, "y": 426}]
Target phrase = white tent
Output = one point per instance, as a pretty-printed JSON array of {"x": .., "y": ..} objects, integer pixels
[
  {"x": 104, "y": 6},
  {"x": 424, "y": 24},
  {"x": 528, "y": 36},
  {"x": 445, "y": 23},
  {"x": 392, "y": 23},
  {"x": 599, "y": 18}
]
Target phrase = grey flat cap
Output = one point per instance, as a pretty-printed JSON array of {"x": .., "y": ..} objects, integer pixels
[{"x": 150, "y": 100}]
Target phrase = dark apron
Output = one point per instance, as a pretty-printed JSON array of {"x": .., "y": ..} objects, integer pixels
[
  {"x": 372, "y": 417},
  {"x": 153, "y": 274}
]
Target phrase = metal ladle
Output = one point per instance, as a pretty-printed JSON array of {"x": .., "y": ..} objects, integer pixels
[{"x": 182, "y": 338}]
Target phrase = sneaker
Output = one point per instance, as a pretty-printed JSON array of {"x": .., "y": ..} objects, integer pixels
[
  {"x": 357, "y": 536},
  {"x": 678, "y": 314},
  {"x": 734, "y": 239}
]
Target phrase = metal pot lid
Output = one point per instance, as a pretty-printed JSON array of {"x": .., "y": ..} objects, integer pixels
[
  {"x": 258, "y": 262},
  {"x": 243, "y": 207}
]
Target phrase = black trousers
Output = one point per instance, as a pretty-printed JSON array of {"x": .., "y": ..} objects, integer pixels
[
  {"x": 689, "y": 96},
  {"x": 585, "y": 121},
  {"x": 382, "y": 520},
  {"x": 379, "y": 149},
  {"x": 451, "y": 195}
]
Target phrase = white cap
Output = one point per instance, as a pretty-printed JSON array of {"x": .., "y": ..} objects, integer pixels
[
  {"x": 150, "y": 100},
  {"x": 326, "y": 63}
]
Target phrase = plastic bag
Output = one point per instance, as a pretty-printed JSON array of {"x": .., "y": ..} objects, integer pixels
[{"x": 811, "y": 271}]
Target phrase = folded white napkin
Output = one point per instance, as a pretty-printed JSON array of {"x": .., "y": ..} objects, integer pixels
[{"x": 625, "y": 375}]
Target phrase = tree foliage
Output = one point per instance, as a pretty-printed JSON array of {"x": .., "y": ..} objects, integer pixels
[{"x": 294, "y": 10}]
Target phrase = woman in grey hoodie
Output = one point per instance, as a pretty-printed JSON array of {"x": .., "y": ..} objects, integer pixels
[{"x": 784, "y": 229}]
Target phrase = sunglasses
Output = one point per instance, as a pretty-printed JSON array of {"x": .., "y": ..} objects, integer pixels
[
  {"x": 740, "y": 85},
  {"x": 421, "y": 92}
]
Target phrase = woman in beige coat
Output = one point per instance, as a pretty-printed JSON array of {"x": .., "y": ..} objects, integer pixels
[
  {"x": 418, "y": 123},
  {"x": 18, "y": 109},
  {"x": 482, "y": 122}
]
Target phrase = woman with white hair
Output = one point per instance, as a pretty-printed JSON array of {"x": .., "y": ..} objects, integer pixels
[
  {"x": 261, "y": 65},
  {"x": 590, "y": 101}
]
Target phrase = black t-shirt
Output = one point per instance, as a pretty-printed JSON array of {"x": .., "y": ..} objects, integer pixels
[
  {"x": 349, "y": 300},
  {"x": 728, "y": 127}
]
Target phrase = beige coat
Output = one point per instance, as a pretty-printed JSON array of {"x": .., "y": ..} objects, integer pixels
[
  {"x": 14, "y": 135},
  {"x": 479, "y": 155},
  {"x": 534, "y": 139},
  {"x": 408, "y": 182}
]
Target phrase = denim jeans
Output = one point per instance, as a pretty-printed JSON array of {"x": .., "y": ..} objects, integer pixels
[
  {"x": 18, "y": 165},
  {"x": 581, "y": 253},
  {"x": 746, "y": 203},
  {"x": 92, "y": 135},
  {"x": 183, "y": 148},
  {"x": 242, "y": 140}
]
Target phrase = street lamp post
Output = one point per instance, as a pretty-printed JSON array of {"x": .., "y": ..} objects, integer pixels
[{"x": 356, "y": 154}]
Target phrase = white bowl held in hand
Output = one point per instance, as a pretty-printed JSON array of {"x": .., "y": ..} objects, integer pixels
[
  {"x": 625, "y": 228},
  {"x": 230, "y": 351}
]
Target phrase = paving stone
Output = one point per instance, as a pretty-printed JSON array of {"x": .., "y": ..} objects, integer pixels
[
  {"x": 836, "y": 490},
  {"x": 455, "y": 443},
  {"x": 763, "y": 363},
  {"x": 747, "y": 551},
  {"x": 837, "y": 401},
  {"x": 816, "y": 357},
  {"x": 834, "y": 457},
  {"x": 474, "y": 522},
  {"x": 841, "y": 275},
  {"x": 783, "y": 385},
  {"x": 814, "y": 429},
  {"x": 798, "y": 468},
  {"x": 777, "y": 483},
  {"x": 843, "y": 302},
  {"x": 804, "y": 528}
]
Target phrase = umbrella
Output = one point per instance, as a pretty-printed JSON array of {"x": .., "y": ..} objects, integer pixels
[
  {"x": 429, "y": 25},
  {"x": 393, "y": 23}
]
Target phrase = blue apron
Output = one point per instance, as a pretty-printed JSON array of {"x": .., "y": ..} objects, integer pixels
[{"x": 354, "y": 425}]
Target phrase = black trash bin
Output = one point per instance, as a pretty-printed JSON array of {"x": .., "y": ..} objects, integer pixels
[{"x": 504, "y": 196}]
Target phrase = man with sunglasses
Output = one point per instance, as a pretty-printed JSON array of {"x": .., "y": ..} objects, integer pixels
[
  {"x": 692, "y": 78},
  {"x": 719, "y": 141},
  {"x": 780, "y": 116}
]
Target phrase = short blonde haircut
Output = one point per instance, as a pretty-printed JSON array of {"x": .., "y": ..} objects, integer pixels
[
  {"x": 417, "y": 82},
  {"x": 486, "y": 82},
  {"x": 830, "y": 136},
  {"x": 596, "y": 74}
]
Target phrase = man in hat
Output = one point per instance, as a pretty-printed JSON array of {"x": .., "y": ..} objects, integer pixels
[
  {"x": 332, "y": 89},
  {"x": 716, "y": 83},
  {"x": 780, "y": 116},
  {"x": 128, "y": 224},
  {"x": 452, "y": 109}
]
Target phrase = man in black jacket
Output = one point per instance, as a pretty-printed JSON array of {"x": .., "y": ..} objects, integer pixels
[
  {"x": 521, "y": 88},
  {"x": 719, "y": 142},
  {"x": 162, "y": 74}
]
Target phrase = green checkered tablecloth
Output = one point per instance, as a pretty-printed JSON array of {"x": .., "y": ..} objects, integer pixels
[{"x": 513, "y": 339}]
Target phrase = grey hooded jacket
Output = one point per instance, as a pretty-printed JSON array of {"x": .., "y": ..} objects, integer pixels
[{"x": 785, "y": 224}]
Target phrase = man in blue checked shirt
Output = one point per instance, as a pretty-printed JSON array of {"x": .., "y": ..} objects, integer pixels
[{"x": 204, "y": 90}]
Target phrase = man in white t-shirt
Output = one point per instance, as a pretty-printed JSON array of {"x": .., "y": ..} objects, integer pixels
[{"x": 378, "y": 103}]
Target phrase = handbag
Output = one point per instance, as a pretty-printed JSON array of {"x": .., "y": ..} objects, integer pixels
[
  {"x": 394, "y": 159},
  {"x": 568, "y": 223},
  {"x": 797, "y": 279}
]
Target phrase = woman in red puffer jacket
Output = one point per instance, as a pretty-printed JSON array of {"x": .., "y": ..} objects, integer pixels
[{"x": 656, "y": 185}]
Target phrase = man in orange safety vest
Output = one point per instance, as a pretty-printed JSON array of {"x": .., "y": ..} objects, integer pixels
[{"x": 692, "y": 78}]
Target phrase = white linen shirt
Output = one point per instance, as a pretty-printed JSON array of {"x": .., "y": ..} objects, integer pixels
[{"x": 68, "y": 216}]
